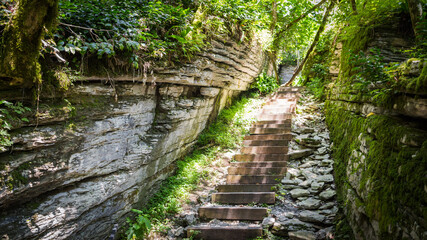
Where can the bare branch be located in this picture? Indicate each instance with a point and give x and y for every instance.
(85, 28)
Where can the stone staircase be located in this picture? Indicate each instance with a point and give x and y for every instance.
(252, 177)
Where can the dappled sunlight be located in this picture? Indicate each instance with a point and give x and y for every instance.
(213, 119)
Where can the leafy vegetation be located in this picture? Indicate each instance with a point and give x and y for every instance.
(225, 133)
(139, 228)
(9, 113)
(133, 28)
(372, 77)
(264, 84)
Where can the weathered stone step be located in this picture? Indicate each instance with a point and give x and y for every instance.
(254, 179)
(233, 213)
(260, 157)
(258, 164)
(265, 150)
(281, 116)
(246, 188)
(255, 170)
(224, 232)
(287, 136)
(265, 142)
(257, 130)
(243, 197)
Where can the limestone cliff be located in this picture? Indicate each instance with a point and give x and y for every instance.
(380, 147)
(102, 148)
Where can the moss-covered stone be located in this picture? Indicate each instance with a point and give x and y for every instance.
(21, 42)
(392, 181)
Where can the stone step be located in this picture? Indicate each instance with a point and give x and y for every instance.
(254, 179)
(258, 130)
(256, 170)
(265, 142)
(224, 232)
(264, 150)
(246, 188)
(286, 136)
(243, 197)
(233, 213)
(260, 157)
(281, 116)
(258, 164)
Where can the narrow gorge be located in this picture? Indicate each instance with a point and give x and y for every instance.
(213, 119)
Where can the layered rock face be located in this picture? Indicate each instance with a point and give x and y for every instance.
(380, 150)
(102, 149)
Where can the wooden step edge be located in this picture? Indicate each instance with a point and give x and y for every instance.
(232, 213)
(224, 232)
(246, 188)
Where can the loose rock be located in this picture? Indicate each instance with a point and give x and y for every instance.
(310, 204)
(310, 216)
(297, 154)
(325, 178)
(302, 235)
(328, 194)
(296, 193)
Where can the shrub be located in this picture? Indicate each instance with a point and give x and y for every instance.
(265, 84)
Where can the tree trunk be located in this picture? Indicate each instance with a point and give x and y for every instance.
(273, 53)
(416, 12)
(273, 59)
(316, 39)
(21, 42)
(354, 6)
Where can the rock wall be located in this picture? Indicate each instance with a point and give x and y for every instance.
(380, 150)
(102, 148)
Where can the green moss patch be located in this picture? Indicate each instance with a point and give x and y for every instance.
(393, 176)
